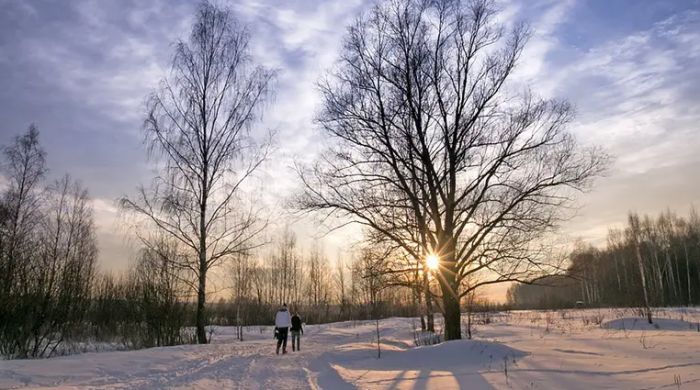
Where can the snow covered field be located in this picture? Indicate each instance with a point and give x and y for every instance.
(572, 349)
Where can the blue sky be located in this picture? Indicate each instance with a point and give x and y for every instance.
(81, 69)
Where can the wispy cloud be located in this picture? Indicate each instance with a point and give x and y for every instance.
(82, 69)
(637, 95)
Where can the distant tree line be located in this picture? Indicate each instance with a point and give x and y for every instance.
(321, 291)
(649, 262)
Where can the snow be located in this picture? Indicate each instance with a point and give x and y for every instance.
(636, 323)
(572, 349)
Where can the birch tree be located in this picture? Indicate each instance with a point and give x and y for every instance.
(199, 124)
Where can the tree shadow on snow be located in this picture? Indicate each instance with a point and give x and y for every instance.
(454, 364)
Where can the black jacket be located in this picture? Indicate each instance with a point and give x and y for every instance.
(296, 324)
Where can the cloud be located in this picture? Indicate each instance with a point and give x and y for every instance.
(544, 19)
(301, 40)
(82, 69)
(117, 249)
(637, 96)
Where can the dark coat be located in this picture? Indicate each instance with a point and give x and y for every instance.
(296, 324)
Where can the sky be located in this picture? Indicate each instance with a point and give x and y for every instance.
(81, 69)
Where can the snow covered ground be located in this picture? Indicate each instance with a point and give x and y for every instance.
(572, 349)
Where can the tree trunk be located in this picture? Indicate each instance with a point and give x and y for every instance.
(429, 315)
(617, 274)
(644, 283)
(671, 276)
(687, 273)
(450, 299)
(202, 288)
(452, 316)
(659, 278)
(201, 300)
(418, 302)
(470, 307)
(428, 300)
(679, 287)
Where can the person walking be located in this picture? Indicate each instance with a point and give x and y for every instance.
(297, 331)
(282, 324)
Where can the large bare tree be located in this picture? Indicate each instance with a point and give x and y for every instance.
(424, 124)
(199, 123)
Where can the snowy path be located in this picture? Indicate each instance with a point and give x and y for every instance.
(226, 363)
(531, 350)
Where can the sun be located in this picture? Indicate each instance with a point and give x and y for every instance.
(432, 261)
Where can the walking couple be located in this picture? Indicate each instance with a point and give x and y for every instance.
(283, 323)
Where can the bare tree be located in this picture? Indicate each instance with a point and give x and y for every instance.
(158, 294)
(684, 230)
(64, 272)
(340, 283)
(199, 123)
(284, 278)
(317, 268)
(425, 124)
(241, 271)
(51, 285)
(24, 168)
(47, 254)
